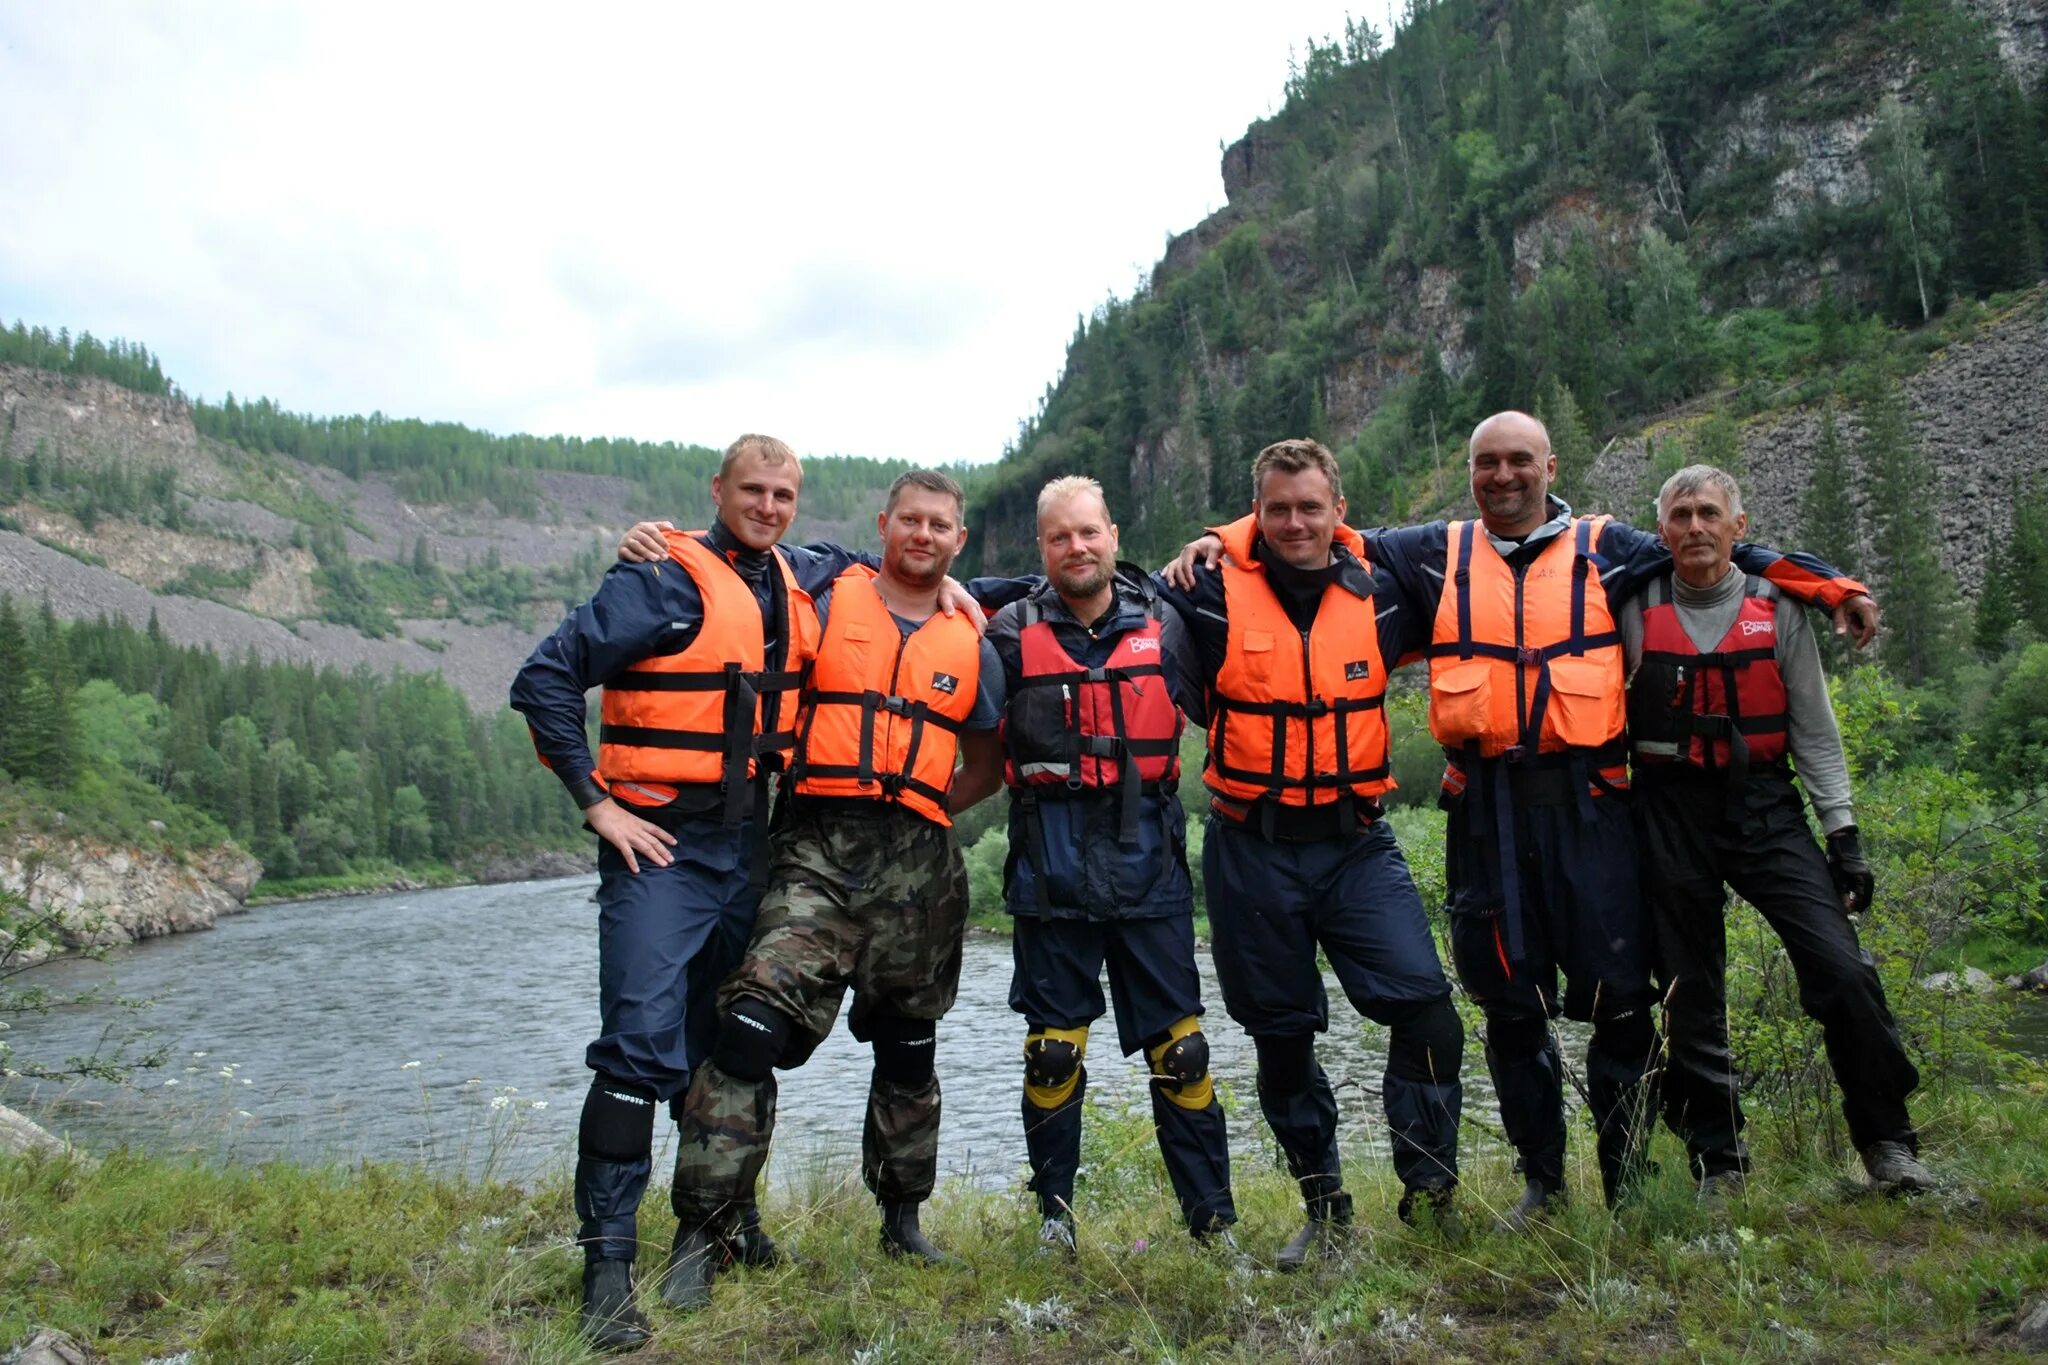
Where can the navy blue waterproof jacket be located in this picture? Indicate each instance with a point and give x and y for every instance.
(1088, 873)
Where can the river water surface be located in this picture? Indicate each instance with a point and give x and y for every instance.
(449, 1026)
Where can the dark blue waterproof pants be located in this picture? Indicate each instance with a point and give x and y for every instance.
(1582, 917)
(1271, 906)
(1057, 983)
(666, 937)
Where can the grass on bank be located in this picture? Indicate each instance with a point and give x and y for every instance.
(143, 1256)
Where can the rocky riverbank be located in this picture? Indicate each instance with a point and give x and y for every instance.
(98, 895)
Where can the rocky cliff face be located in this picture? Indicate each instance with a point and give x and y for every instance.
(103, 895)
(1978, 410)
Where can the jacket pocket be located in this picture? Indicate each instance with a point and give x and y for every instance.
(1461, 701)
(1585, 702)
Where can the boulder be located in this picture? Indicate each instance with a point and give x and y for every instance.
(48, 1346)
(2032, 1327)
(2036, 980)
(20, 1133)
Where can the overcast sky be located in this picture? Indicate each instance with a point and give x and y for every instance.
(867, 229)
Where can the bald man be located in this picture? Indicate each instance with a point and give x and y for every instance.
(1515, 613)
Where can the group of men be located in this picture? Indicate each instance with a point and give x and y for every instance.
(727, 945)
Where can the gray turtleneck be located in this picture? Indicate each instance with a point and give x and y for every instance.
(1706, 615)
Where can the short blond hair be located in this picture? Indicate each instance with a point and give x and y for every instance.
(1066, 486)
(765, 448)
(1292, 457)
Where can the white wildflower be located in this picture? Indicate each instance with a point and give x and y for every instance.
(410, 1066)
(499, 1102)
(172, 1081)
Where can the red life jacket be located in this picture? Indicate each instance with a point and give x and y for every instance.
(1720, 710)
(1069, 729)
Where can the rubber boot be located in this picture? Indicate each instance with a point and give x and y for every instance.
(1539, 1196)
(1056, 1234)
(698, 1255)
(901, 1237)
(609, 1320)
(1895, 1168)
(1328, 1215)
(748, 1244)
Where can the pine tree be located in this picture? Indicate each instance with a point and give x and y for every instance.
(1919, 595)
(1570, 442)
(14, 657)
(1827, 510)
(2027, 557)
(1499, 369)
(1997, 612)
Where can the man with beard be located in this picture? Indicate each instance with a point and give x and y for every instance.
(699, 656)
(1726, 698)
(867, 891)
(1515, 613)
(1096, 673)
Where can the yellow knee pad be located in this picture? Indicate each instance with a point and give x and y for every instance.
(1052, 1065)
(1180, 1066)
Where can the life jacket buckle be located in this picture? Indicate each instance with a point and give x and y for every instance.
(1528, 654)
(1514, 753)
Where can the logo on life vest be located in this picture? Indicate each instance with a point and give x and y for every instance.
(1759, 627)
(1144, 644)
(945, 682)
(1358, 671)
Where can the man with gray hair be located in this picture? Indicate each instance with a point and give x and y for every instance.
(1726, 697)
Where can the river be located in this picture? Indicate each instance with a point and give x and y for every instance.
(449, 1026)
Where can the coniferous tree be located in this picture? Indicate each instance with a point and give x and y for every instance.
(1997, 612)
(14, 668)
(1918, 593)
(1570, 442)
(1498, 367)
(1828, 524)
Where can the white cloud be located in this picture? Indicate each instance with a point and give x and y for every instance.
(866, 229)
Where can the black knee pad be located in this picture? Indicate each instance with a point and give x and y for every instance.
(1186, 1059)
(1050, 1062)
(618, 1121)
(1287, 1064)
(1427, 1043)
(752, 1038)
(906, 1050)
(1629, 1033)
(1516, 1037)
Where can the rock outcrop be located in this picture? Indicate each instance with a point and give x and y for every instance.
(101, 896)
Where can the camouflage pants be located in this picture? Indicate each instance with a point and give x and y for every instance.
(861, 895)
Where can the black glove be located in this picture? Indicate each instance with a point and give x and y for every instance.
(1850, 871)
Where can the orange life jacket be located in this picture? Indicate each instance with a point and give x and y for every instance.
(1720, 710)
(696, 716)
(1525, 664)
(883, 711)
(1296, 716)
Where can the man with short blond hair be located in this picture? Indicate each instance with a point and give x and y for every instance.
(1726, 701)
(699, 653)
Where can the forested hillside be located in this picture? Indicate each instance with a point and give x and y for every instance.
(372, 541)
(1611, 210)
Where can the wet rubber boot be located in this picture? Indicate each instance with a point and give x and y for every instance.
(696, 1258)
(1056, 1234)
(609, 1320)
(901, 1237)
(1328, 1216)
